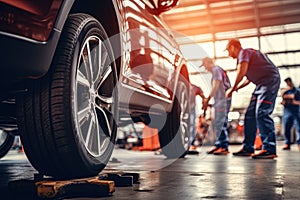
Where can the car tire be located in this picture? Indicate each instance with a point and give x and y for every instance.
(6, 142)
(67, 119)
(174, 136)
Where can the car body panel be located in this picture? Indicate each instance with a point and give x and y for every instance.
(23, 57)
(149, 58)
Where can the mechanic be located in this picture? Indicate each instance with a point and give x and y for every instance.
(258, 69)
(220, 83)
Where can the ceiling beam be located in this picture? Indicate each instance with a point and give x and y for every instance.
(232, 15)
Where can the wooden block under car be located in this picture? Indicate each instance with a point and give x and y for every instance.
(85, 187)
(50, 189)
(121, 179)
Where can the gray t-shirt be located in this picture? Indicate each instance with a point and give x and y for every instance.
(219, 74)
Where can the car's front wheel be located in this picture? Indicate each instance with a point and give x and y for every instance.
(67, 118)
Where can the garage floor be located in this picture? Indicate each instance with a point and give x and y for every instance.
(199, 176)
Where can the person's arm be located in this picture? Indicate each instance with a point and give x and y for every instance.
(283, 102)
(215, 85)
(200, 92)
(244, 84)
(295, 102)
(242, 69)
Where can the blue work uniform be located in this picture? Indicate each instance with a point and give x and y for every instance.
(291, 114)
(221, 106)
(265, 75)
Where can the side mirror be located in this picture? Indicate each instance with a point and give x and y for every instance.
(165, 5)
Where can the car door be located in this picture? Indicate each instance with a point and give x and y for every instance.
(149, 53)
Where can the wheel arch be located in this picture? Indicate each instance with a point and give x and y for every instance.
(106, 12)
(183, 73)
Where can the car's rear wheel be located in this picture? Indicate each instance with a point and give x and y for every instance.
(67, 118)
(174, 136)
(6, 142)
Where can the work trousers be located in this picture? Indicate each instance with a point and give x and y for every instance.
(221, 107)
(290, 118)
(258, 116)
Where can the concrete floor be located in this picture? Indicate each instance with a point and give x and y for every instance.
(199, 176)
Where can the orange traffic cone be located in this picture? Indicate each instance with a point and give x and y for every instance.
(258, 143)
(150, 139)
(21, 150)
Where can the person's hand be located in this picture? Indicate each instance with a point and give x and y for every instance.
(205, 104)
(283, 102)
(229, 92)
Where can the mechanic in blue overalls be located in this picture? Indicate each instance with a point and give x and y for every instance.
(291, 114)
(258, 69)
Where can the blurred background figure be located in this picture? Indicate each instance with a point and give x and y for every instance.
(291, 114)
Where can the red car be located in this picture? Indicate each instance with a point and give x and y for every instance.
(74, 70)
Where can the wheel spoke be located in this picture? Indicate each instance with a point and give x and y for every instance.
(89, 132)
(105, 118)
(90, 67)
(106, 75)
(81, 79)
(86, 62)
(184, 127)
(97, 135)
(106, 100)
(104, 64)
(95, 51)
(99, 47)
(105, 61)
(92, 133)
(185, 116)
(183, 101)
(83, 115)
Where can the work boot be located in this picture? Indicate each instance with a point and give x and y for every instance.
(213, 150)
(286, 147)
(243, 152)
(264, 154)
(221, 151)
